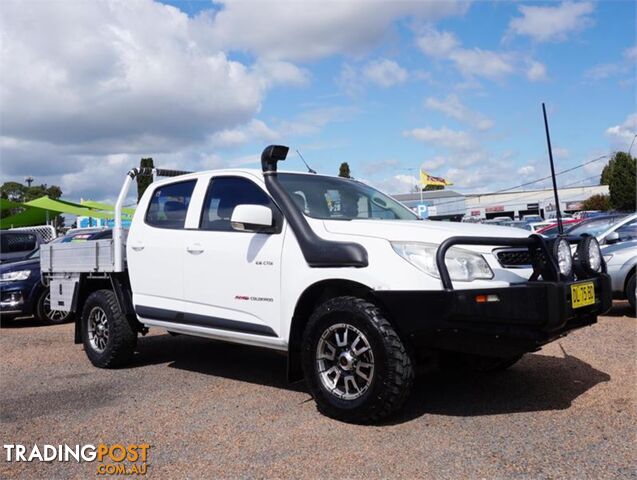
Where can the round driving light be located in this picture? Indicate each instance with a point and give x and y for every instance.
(589, 255)
(562, 252)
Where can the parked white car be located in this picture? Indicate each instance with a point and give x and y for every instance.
(351, 284)
(621, 261)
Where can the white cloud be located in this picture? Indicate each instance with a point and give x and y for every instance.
(308, 29)
(604, 71)
(384, 73)
(374, 167)
(526, 170)
(551, 23)
(437, 44)
(482, 63)
(381, 72)
(101, 80)
(536, 71)
(253, 130)
(443, 137)
(116, 73)
(276, 72)
(622, 135)
(561, 152)
(453, 107)
(434, 163)
(396, 184)
(471, 62)
(631, 53)
(311, 121)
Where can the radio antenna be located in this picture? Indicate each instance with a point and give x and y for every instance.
(560, 226)
(309, 169)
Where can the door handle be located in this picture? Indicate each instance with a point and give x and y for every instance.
(195, 248)
(138, 246)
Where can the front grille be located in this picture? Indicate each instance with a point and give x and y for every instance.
(514, 258)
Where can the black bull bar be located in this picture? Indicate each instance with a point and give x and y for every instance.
(543, 261)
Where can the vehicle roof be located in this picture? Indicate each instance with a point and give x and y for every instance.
(253, 172)
(604, 217)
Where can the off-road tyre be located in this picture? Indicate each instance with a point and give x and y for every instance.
(393, 373)
(630, 291)
(122, 339)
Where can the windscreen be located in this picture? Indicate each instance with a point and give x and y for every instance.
(331, 198)
(594, 227)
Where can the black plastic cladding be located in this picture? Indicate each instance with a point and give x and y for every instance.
(318, 252)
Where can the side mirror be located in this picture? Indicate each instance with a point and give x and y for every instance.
(252, 218)
(612, 237)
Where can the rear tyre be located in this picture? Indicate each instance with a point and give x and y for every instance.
(43, 311)
(355, 365)
(466, 362)
(630, 291)
(109, 340)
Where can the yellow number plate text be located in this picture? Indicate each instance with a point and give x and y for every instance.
(582, 294)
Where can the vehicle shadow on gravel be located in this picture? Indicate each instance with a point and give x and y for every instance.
(535, 383)
(22, 322)
(620, 309)
(236, 362)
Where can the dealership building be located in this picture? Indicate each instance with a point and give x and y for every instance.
(451, 205)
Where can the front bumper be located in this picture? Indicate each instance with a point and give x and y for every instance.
(526, 316)
(14, 298)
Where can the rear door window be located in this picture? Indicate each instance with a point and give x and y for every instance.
(169, 205)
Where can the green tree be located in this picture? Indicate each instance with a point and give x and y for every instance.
(144, 180)
(20, 193)
(430, 188)
(605, 177)
(13, 191)
(343, 170)
(597, 202)
(621, 181)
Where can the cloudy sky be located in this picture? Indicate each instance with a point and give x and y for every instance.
(89, 87)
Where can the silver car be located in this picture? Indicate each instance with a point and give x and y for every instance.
(621, 259)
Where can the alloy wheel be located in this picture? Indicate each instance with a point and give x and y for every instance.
(98, 329)
(345, 361)
(55, 316)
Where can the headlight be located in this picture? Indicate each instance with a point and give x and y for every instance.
(462, 264)
(14, 276)
(589, 255)
(562, 252)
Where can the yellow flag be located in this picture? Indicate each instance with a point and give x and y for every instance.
(426, 179)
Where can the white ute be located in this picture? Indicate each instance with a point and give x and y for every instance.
(352, 285)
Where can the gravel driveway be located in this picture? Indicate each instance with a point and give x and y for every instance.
(223, 411)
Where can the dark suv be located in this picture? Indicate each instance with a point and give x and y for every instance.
(21, 290)
(17, 245)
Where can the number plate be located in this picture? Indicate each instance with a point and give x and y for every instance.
(582, 294)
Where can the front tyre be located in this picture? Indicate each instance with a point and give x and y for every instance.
(355, 365)
(109, 340)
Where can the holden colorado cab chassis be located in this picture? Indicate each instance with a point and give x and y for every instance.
(352, 285)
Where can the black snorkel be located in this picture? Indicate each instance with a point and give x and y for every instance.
(318, 252)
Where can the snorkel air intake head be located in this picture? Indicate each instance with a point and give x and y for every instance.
(271, 155)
